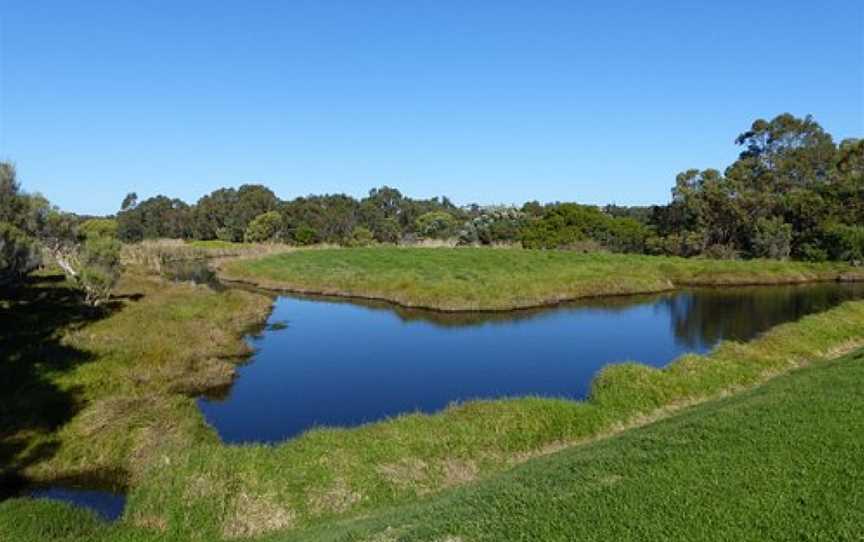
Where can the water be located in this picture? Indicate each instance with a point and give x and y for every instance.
(329, 362)
(106, 504)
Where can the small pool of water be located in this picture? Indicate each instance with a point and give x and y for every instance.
(107, 505)
(330, 362)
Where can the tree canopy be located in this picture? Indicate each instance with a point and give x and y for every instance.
(791, 193)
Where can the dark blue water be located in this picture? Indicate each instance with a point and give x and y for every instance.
(107, 505)
(326, 362)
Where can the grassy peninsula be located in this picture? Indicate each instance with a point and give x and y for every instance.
(454, 279)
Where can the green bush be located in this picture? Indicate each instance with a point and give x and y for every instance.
(98, 227)
(772, 239)
(845, 242)
(721, 251)
(684, 244)
(264, 227)
(19, 253)
(570, 225)
(813, 253)
(360, 237)
(98, 268)
(436, 225)
(493, 225)
(304, 236)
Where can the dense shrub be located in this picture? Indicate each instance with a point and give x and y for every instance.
(360, 237)
(493, 225)
(98, 268)
(264, 227)
(845, 242)
(99, 227)
(19, 254)
(436, 225)
(772, 238)
(569, 225)
(684, 244)
(304, 236)
(721, 251)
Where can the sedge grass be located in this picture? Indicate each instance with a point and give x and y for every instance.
(470, 278)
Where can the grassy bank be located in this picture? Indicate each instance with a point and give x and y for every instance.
(781, 462)
(205, 490)
(93, 391)
(500, 279)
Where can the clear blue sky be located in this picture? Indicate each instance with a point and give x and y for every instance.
(487, 101)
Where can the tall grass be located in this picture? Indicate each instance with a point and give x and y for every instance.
(500, 279)
(154, 255)
(121, 376)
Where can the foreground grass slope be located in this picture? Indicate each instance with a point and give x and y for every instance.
(780, 462)
(498, 279)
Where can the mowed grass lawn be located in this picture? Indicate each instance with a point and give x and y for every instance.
(498, 279)
(784, 461)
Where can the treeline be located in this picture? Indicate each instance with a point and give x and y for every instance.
(32, 231)
(792, 192)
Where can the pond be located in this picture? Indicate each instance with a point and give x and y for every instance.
(108, 505)
(332, 362)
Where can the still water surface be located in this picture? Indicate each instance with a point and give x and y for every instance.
(330, 362)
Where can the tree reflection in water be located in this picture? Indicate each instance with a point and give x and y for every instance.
(704, 317)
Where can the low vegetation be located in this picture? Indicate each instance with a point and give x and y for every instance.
(500, 279)
(91, 391)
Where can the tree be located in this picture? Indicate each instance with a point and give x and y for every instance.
(493, 224)
(361, 237)
(265, 227)
(845, 242)
(20, 218)
(436, 225)
(129, 202)
(19, 254)
(772, 239)
(304, 236)
(154, 218)
(783, 153)
(98, 268)
(99, 227)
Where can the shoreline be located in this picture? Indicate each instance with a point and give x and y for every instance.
(274, 287)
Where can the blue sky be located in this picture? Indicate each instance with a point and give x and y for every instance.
(485, 101)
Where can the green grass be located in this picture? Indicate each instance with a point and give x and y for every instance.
(780, 462)
(88, 391)
(500, 279)
(215, 243)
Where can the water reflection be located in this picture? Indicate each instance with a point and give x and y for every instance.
(106, 504)
(341, 363)
(707, 316)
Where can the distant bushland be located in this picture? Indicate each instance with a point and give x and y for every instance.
(792, 193)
